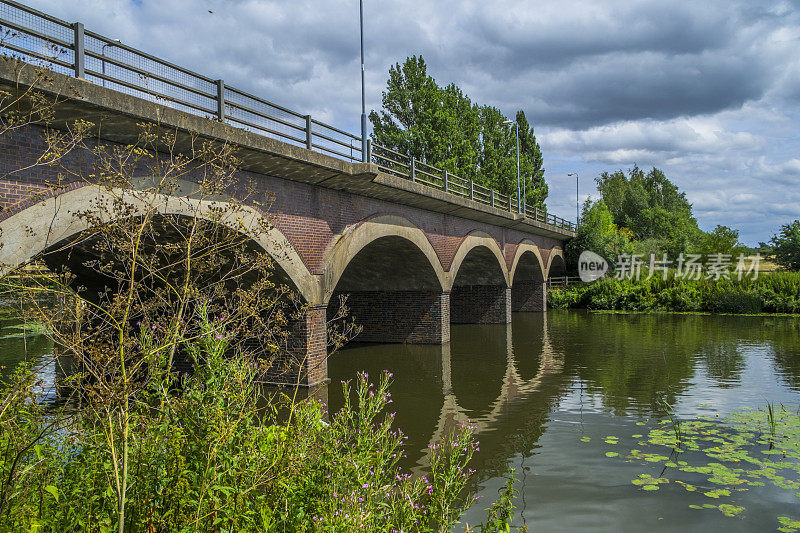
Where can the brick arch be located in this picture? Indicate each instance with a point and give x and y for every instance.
(526, 246)
(32, 229)
(555, 253)
(473, 241)
(362, 234)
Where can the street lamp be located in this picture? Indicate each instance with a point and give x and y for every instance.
(103, 53)
(516, 128)
(577, 201)
(363, 90)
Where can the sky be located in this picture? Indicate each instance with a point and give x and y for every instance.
(709, 92)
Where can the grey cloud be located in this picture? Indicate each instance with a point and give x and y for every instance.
(707, 91)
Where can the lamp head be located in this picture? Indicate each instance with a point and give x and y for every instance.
(508, 122)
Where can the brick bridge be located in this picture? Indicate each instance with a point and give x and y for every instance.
(412, 258)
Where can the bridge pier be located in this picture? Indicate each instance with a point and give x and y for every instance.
(480, 304)
(307, 350)
(529, 296)
(402, 316)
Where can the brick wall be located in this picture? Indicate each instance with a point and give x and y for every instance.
(480, 304)
(306, 352)
(413, 317)
(311, 217)
(529, 296)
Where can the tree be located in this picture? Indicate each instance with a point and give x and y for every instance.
(443, 127)
(657, 214)
(786, 245)
(497, 159)
(459, 128)
(599, 234)
(531, 162)
(410, 102)
(722, 240)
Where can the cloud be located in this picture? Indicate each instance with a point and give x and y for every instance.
(707, 91)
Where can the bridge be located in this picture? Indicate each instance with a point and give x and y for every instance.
(413, 247)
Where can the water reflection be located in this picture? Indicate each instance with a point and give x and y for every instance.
(478, 379)
(534, 387)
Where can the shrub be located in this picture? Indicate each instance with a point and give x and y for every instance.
(736, 301)
(775, 293)
(209, 459)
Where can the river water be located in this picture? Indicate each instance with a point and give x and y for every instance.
(534, 388)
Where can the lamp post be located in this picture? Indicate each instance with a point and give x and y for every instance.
(516, 129)
(363, 90)
(577, 201)
(103, 53)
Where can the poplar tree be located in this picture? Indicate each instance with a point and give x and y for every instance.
(443, 127)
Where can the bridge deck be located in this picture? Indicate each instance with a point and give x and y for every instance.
(117, 114)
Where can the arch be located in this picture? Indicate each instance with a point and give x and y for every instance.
(472, 242)
(358, 237)
(556, 259)
(526, 247)
(53, 220)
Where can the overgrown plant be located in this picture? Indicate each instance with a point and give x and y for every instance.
(211, 459)
(171, 237)
(501, 513)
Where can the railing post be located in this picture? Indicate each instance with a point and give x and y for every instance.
(510, 205)
(492, 197)
(471, 190)
(221, 100)
(80, 55)
(413, 169)
(445, 181)
(309, 138)
(369, 151)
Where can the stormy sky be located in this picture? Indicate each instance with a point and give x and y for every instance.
(709, 92)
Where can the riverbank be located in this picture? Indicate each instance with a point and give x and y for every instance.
(777, 292)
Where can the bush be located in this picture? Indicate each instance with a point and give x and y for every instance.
(209, 459)
(777, 292)
(736, 301)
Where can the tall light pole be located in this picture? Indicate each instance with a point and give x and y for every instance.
(363, 90)
(519, 195)
(577, 201)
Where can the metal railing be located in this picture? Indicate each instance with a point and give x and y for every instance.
(400, 165)
(564, 281)
(69, 48)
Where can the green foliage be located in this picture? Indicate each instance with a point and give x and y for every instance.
(598, 233)
(441, 126)
(736, 301)
(786, 246)
(652, 208)
(501, 513)
(777, 292)
(722, 240)
(210, 459)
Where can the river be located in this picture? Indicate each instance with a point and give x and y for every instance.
(538, 386)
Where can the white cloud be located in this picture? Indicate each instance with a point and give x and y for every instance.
(707, 91)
